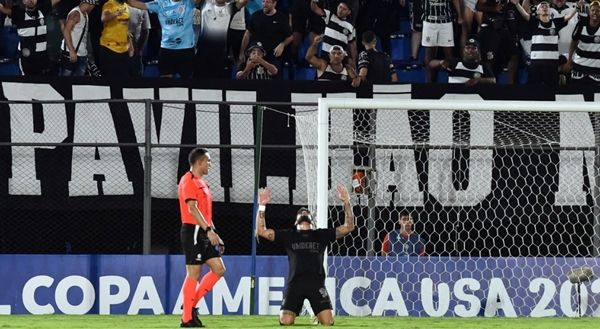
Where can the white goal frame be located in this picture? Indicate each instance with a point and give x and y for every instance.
(325, 104)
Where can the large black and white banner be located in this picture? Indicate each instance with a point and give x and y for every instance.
(67, 195)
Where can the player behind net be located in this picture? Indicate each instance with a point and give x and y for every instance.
(305, 248)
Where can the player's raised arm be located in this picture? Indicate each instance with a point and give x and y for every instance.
(348, 225)
(264, 197)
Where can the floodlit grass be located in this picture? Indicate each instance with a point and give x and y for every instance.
(248, 322)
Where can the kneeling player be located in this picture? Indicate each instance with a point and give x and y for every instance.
(305, 248)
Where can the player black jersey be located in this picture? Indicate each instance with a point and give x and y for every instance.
(305, 251)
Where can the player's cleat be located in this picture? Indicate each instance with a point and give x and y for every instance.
(190, 324)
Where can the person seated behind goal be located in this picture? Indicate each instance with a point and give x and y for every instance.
(470, 70)
(306, 249)
(403, 241)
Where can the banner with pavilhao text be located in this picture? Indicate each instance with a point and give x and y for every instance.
(70, 183)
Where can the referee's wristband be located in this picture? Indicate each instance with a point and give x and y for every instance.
(208, 229)
(262, 207)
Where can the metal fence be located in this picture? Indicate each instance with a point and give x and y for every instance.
(101, 176)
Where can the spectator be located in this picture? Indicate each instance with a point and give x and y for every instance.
(177, 43)
(338, 30)
(31, 28)
(75, 35)
(498, 36)
(438, 30)
(139, 28)
(256, 68)
(115, 41)
(63, 9)
(415, 7)
(304, 21)
(212, 43)
(379, 16)
(404, 241)
(469, 13)
(469, 71)
(237, 28)
(197, 23)
(561, 8)
(544, 43)
(333, 68)
(272, 29)
(373, 65)
(585, 48)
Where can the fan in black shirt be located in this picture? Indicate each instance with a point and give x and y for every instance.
(305, 248)
(373, 65)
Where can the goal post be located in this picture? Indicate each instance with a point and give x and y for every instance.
(490, 185)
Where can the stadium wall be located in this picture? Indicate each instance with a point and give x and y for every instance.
(136, 284)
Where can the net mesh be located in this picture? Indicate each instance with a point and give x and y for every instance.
(507, 199)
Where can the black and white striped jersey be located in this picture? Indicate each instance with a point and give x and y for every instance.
(461, 73)
(259, 72)
(587, 55)
(544, 40)
(331, 75)
(31, 28)
(337, 32)
(437, 11)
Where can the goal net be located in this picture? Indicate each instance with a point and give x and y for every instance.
(462, 208)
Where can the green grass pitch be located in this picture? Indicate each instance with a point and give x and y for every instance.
(248, 322)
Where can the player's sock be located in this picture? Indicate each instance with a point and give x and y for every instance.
(189, 292)
(206, 284)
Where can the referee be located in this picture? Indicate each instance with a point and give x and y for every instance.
(305, 248)
(201, 244)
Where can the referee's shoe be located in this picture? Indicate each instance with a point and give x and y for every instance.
(194, 322)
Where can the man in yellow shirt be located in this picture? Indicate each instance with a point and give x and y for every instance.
(115, 41)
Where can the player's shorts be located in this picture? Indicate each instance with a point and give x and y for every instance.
(196, 246)
(176, 61)
(437, 35)
(416, 15)
(313, 290)
(470, 4)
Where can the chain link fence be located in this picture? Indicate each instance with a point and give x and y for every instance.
(101, 176)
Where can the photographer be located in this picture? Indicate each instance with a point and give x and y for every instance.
(498, 36)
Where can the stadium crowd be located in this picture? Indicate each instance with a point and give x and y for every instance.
(551, 42)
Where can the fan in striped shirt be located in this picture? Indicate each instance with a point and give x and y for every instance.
(30, 20)
(469, 71)
(544, 43)
(332, 68)
(339, 31)
(256, 67)
(584, 53)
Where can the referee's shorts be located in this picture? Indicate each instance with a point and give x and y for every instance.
(196, 246)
